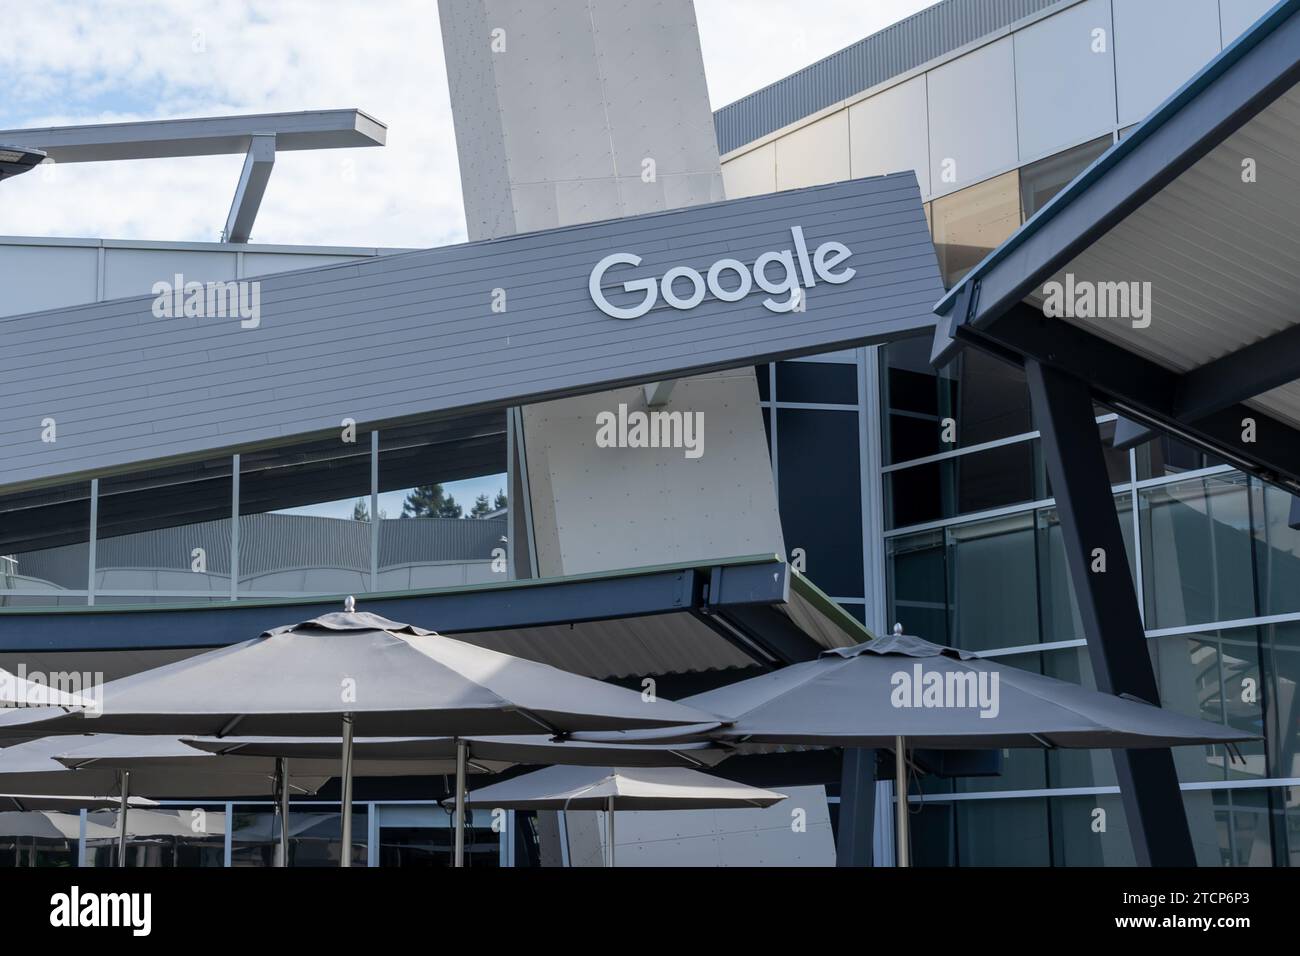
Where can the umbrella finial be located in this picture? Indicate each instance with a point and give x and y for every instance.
(349, 605)
(898, 629)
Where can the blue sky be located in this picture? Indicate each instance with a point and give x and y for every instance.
(95, 61)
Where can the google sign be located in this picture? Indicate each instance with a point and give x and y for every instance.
(821, 263)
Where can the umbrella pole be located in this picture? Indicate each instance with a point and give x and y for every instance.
(460, 803)
(345, 855)
(900, 801)
(282, 778)
(609, 829)
(121, 818)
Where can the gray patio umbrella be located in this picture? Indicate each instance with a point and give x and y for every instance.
(483, 754)
(890, 690)
(372, 676)
(159, 766)
(620, 788)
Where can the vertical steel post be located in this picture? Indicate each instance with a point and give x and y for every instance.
(1108, 605)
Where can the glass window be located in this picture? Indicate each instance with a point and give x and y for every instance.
(915, 398)
(821, 495)
(993, 583)
(1166, 456)
(1068, 767)
(20, 847)
(1091, 830)
(1214, 677)
(315, 836)
(1230, 827)
(1276, 531)
(304, 519)
(443, 518)
(45, 546)
(971, 223)
(986, 400)
(164, 535)
(830, 383)
(1282, 716)
(1042, 180)
(965, 484)
(1196, 552)
(162, 837)
(1060, 607)
(918, 584)
(1010, 832)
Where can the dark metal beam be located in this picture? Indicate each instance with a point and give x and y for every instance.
(1094, 547)
(1140, 389)
(854, 841)
(1243, 374)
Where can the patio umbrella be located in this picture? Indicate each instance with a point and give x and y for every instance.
(890, 690)
(619, 788)
(267, 769)
(159, 766)
(372, 676)
(483, 754)
(22, 802)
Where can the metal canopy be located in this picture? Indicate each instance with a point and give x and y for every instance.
(1203, 202)
(202, 136)
(733, 613)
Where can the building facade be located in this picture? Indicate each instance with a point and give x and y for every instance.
(906, 493)
(943, 519)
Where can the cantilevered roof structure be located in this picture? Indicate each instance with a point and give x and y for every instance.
(742, 612)
(1201, 201)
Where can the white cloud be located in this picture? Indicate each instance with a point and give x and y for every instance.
(92, 61)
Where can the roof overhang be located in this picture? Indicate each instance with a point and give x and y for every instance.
(1202, 201)
(734, 613)
(201, 136)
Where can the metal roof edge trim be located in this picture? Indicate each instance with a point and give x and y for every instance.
(823, 602)
(308, 599)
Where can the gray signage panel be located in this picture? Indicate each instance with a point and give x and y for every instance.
(194, 369)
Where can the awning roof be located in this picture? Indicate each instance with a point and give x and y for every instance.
(1171, 205)
(733, 613)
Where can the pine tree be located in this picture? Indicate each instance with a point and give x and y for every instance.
(482, 505)
(501, 501)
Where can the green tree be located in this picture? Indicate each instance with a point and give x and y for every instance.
(430, 501)
(482, 505)
(501, 501)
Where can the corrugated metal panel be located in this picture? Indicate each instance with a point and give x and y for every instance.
(632, 647)
(1221, 254)
(413, 334)
(930, 34)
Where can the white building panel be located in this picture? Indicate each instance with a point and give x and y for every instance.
(34, 278)
(1065, 80)
(752, 173)
(814, 154)
(889, 132)
(134, 271)
(1159, 45)
(972, 117)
